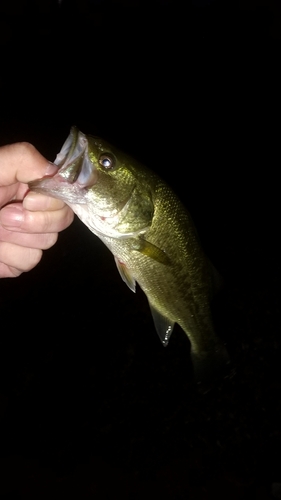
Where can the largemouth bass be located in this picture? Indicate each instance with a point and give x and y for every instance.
(148, 230)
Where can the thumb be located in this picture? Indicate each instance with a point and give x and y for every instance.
(21, 162)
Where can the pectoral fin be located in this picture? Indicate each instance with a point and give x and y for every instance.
(163, 325)
(146, 248)
(126, 275)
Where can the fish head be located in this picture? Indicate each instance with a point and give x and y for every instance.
(103, 186)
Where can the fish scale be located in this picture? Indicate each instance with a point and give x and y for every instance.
(150, 233)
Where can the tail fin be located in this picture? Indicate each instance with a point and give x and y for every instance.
(208, 366)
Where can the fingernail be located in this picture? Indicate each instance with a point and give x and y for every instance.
(11, 217)
(51, 168)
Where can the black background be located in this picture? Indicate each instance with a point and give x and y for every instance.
(91, 405)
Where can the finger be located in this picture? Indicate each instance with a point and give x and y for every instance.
(16, 191)
(9, 271)
(36, 201)
(21, 162)
(7, 193)
(29, 240)
(15, 218)
(21, 258)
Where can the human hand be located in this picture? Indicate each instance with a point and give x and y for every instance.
(29, 222)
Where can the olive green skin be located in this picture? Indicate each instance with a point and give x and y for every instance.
(150, 233)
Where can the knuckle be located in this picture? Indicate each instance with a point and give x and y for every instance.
(26, 148)
(46, 221)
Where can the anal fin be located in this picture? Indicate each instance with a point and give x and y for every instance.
(163, 325)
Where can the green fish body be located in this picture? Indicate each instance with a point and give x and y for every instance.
(148, 230)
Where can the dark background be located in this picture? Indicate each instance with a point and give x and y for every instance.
(91, 405)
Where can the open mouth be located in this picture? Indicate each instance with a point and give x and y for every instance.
(76, 171)
(74, 162)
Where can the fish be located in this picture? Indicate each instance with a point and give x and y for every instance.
(150, 233)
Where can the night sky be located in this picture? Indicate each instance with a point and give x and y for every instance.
(91, 404)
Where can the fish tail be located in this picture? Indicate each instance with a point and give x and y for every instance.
(208, 365)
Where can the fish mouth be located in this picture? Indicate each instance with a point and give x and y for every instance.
(76, 171)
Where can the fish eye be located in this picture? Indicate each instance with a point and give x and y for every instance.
(107, 161)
